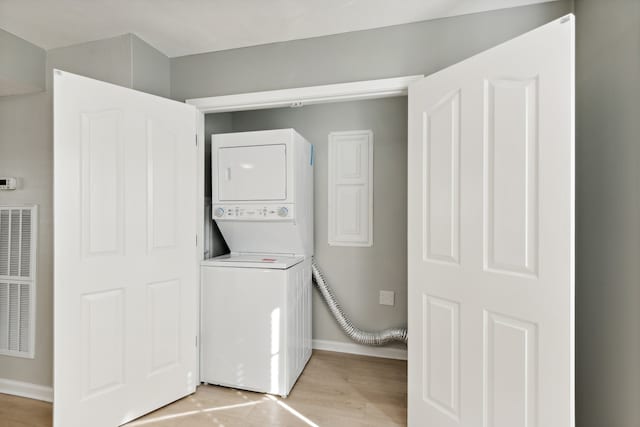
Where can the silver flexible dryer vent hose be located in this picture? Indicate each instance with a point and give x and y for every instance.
(357, 335)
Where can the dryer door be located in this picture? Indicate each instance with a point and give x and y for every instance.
(251, 173)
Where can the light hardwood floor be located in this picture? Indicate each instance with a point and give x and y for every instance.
(335, 390)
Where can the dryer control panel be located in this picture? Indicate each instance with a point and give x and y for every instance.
(253, 212)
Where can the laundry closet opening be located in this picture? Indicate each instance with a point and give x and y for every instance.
(356, 274)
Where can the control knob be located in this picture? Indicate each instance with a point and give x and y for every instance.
(283, 211)
(219, 212)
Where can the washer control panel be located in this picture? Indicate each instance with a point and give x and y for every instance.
(253, 212)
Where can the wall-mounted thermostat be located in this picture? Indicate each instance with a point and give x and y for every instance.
(8, 183)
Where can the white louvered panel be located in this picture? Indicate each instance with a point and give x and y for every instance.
(17, 279)
(25, 244)
(17, 242)
(4, 315)
(24, 324)
(4, 242)
(15, 226)
(14, 317)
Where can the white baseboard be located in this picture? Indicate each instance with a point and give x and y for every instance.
(365, 350)
(22, 389)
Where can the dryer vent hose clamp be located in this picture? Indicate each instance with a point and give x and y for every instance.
(361, 337)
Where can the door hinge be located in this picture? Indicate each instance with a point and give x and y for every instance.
(196, 139)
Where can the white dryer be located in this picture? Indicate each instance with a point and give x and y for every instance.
(256, 301)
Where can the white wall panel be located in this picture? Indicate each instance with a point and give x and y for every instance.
(441, 355)
(102, 342)
(510, 372)
(441, 151)
(102, 170)
(162, 192)
(351, 188)
(163, 316)
(511, 175)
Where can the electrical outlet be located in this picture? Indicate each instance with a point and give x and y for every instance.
(387, 297)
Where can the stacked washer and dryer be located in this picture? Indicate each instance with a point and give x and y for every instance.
(256, 301)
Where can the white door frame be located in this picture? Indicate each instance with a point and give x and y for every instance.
(307, 95)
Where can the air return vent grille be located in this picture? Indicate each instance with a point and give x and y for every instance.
(17, 279)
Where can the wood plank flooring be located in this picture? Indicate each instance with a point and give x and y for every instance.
(336, 389)
(21, 412)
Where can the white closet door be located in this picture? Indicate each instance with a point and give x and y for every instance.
(125, 252)
(491, 237)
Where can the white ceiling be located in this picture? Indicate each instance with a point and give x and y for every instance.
(183, 27)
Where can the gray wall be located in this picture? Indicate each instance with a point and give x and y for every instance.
(125, 60)
(108, 60)
(21, 66)
(608, 213)
(26, 151)
(150, 68)
(356, 274)
(419, 48)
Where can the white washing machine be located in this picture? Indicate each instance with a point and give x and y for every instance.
(256, 301)
(256, 324)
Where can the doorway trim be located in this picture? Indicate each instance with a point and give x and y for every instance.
(308, 95)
